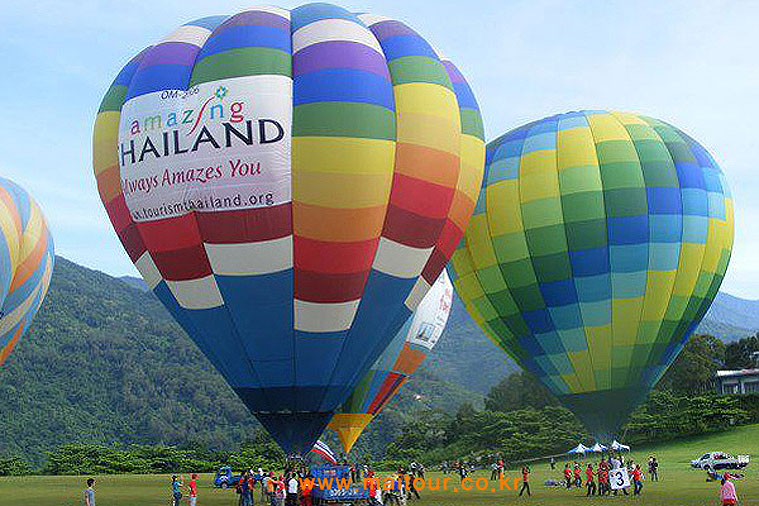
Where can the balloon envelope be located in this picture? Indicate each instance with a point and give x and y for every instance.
(290, 184)
(397, 363)
(26, 263)
(599, 241)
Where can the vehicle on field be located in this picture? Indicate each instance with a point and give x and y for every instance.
(719, 460)
(332, 485)
(225, 478)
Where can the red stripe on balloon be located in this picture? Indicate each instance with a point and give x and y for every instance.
(392, 383)
(334, 257)
(171, 233)
(132, 241)
(329, 288)
(409, 228)
(449, 239)
(182, 264)
(246, 226)
(421, 197)
(434, 266)
(118, 213)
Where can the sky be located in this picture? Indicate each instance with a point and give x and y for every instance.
(692, 64)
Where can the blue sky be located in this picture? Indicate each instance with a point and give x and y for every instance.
(692, 64)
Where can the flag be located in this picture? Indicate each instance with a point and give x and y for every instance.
(322, 449)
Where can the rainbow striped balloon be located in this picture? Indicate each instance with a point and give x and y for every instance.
(599, 241)
(290, 184)
(397, 363)
(26, 263)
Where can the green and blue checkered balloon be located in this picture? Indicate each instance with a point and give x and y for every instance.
(598, 243)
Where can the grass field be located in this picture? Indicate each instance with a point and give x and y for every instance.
(679, 486)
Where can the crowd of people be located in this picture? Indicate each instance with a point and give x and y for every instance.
(596, 478)
(295, 486)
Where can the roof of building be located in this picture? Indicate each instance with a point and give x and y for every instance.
(738, 373)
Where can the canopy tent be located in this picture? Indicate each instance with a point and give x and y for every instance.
(598, 448)
(580, 449)
(619, 447)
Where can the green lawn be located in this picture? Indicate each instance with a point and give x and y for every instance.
(679, 486)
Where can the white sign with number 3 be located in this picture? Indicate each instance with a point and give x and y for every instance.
(618, 478)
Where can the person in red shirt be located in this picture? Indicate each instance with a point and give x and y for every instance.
(589, 481)
(568, 475)
(578, 479)
(525, 481)
(637, 480)
(603, 482)
(193, 486)
(305, 490)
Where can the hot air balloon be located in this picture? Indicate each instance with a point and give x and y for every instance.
(400, 359)
(598, 243)
(26, 263)
(290, 184)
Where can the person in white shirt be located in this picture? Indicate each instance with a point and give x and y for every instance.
(292, 491)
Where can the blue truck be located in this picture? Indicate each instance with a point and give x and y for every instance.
(225, 478)
(339, 491)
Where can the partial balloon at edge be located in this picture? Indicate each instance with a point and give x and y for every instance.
(400, 360)
(27, 258)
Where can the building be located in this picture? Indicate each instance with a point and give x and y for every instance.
(744, 381)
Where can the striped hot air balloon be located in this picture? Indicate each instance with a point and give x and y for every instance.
(290, 184)
(599, 241)
(400, 360)
(26, 263)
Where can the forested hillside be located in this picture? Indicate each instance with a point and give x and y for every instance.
(104, 363)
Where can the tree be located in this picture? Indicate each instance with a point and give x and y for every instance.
(694, 369)
(738, 353)
(519, 390)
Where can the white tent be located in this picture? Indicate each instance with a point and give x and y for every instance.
(580, 449)
(619, 447)
(598, 448)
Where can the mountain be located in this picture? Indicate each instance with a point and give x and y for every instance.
(105, 363)
(135, 282)
(465, 356)
(731, 318)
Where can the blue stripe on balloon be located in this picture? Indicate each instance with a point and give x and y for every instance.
(210, 23)
(566, 317)
(589, 262)
(665, 227)
(464, 96)
(627, 229)
(246, 36)
(663, 200)
(664, 256)
(159, 78)
(310, 13)
(380, 316)
(628, 285)
(262, 309)
(628, 258)
(558, 293)
(598, 313)
(343, 85)
(593, 288)
(401, 46)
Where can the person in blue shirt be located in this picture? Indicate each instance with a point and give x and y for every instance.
(89, 493)
(176, 494)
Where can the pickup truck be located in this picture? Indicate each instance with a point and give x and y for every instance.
(225, 478)
(719, 460)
